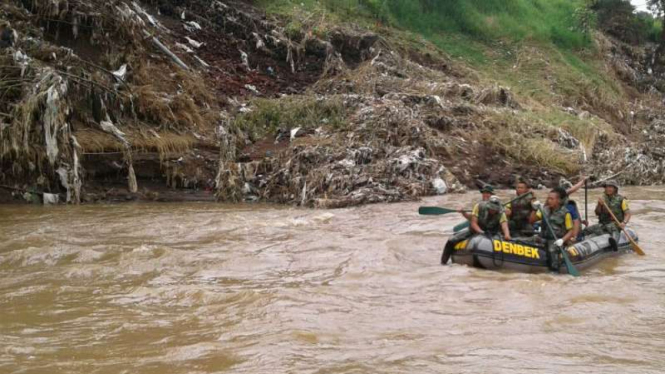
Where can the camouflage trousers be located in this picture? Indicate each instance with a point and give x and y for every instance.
(520, 228)
(601, 229)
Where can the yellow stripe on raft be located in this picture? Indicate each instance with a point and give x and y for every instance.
(461, 245)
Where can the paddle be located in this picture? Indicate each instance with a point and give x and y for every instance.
(569, 265)
(586, 202)
(435, 211)
(636, 247)
(461, 226)
(466, 224)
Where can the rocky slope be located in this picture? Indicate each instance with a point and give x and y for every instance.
(175, 100)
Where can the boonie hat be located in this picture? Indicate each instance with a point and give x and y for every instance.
(487, 188)
(612, 183)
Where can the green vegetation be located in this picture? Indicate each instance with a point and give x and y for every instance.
(484, 20)
(618, 18)
(543, 50)
(307, 112)
(489, 20)
(538, 48)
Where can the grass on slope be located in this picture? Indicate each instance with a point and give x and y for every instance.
(439, 20)
(533, 47)
(487, 20)
(516, 20)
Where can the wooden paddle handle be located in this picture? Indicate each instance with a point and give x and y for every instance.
(636, 247)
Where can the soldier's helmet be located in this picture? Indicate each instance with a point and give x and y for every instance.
(612, 183)
(494, 203)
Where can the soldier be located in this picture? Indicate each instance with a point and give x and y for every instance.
(489, 217)
(564, 190)
(617, 204)
(519, 212)
(558, 218)
(487, 191)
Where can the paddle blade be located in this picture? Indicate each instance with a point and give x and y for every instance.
(434, 211)
(569, 265)
(637, 248)
(461, 226)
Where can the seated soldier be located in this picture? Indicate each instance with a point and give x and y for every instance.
(519, 212)
(489, 217)
(617, 205)
(487, 191)
(571, 205)
(557, 226)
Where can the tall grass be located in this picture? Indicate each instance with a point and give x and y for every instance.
(488, 20)
(516, 20)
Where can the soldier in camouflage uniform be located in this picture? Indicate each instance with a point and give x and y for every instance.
(617, 204)
(489, 217)
(559, 219)
(487, 192)
(519, 212)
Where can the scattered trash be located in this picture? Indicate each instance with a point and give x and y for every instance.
(245, 60)
(294, 132)
(51, 199)
(340, 120)
(252, 88)
(184, 47)
(110, 128)
(193, 42)
(120, 73)
(194, 25)
(439, 186)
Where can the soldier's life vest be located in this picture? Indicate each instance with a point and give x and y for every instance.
(557, 221)
(615, 202)
(488, 222)
(521, 211)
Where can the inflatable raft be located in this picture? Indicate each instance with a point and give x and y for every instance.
(525, 255)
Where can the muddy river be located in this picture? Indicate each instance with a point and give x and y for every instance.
(210, 288)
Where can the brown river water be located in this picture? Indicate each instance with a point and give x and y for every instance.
(210, 288)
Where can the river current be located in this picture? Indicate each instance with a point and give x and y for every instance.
(212, 288)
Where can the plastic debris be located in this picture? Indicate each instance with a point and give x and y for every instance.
(110, 128)
(294, 132)
(184, 47)
(193, 42)
(121, 73)
(252, 88)
(245, 60)
(195, 25)
(439, 186)
(54, 115)
(51, 199)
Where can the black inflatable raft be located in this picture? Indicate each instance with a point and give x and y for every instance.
(525, 255)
